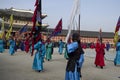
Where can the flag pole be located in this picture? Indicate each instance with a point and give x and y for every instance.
(40, 6)
(40, 13)
(39, 21)
(79, 24)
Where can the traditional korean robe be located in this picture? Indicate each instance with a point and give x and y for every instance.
(22, 46)
(107, 46)
(99, 59)
(61, 45)
(117, 57)
(27, 46)
(1, 46)
(74, 63)
(39, 55)
(92, 46)
(43, 51)
(11, 47)
(49, 51)
(65, 52)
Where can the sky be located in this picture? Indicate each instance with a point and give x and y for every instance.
(95, 14)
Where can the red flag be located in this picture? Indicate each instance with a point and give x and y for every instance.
(118, 25)
(116, 32)
(36, 29)
(57, 29)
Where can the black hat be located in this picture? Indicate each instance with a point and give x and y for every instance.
(76, 37)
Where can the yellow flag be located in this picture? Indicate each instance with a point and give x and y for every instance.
(10, 27)
(116, 32)
(2, 28)
(115, 38)
(11, 20)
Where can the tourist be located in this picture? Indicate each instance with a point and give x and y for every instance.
(75, 60)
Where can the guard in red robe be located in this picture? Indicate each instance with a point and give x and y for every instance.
(27, 46)
(99, 60)
(84, 46)
(92, 46)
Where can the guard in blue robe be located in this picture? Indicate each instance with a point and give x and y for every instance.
(11, 46)
(65, 52)
(39, 56)
(1, 46)
(107, 46)
(49, 47)
(43, 50)
(22, 45)
(75, 60)
(117, 57)
(61, 45)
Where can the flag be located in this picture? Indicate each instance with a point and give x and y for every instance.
(37, 23)
(23, 29)
(100, 35)
(57, 29)
(75, 11)
(8, 34)
(2, 28)
(11, 20)
(116, 32)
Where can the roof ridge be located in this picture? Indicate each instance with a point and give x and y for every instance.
(22, 10)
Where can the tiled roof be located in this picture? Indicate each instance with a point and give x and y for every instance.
(96, 34)
(86, 33)
(18, 13)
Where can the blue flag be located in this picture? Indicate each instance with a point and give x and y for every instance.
(23, 29)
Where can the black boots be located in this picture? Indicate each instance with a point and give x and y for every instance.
(101, 67)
